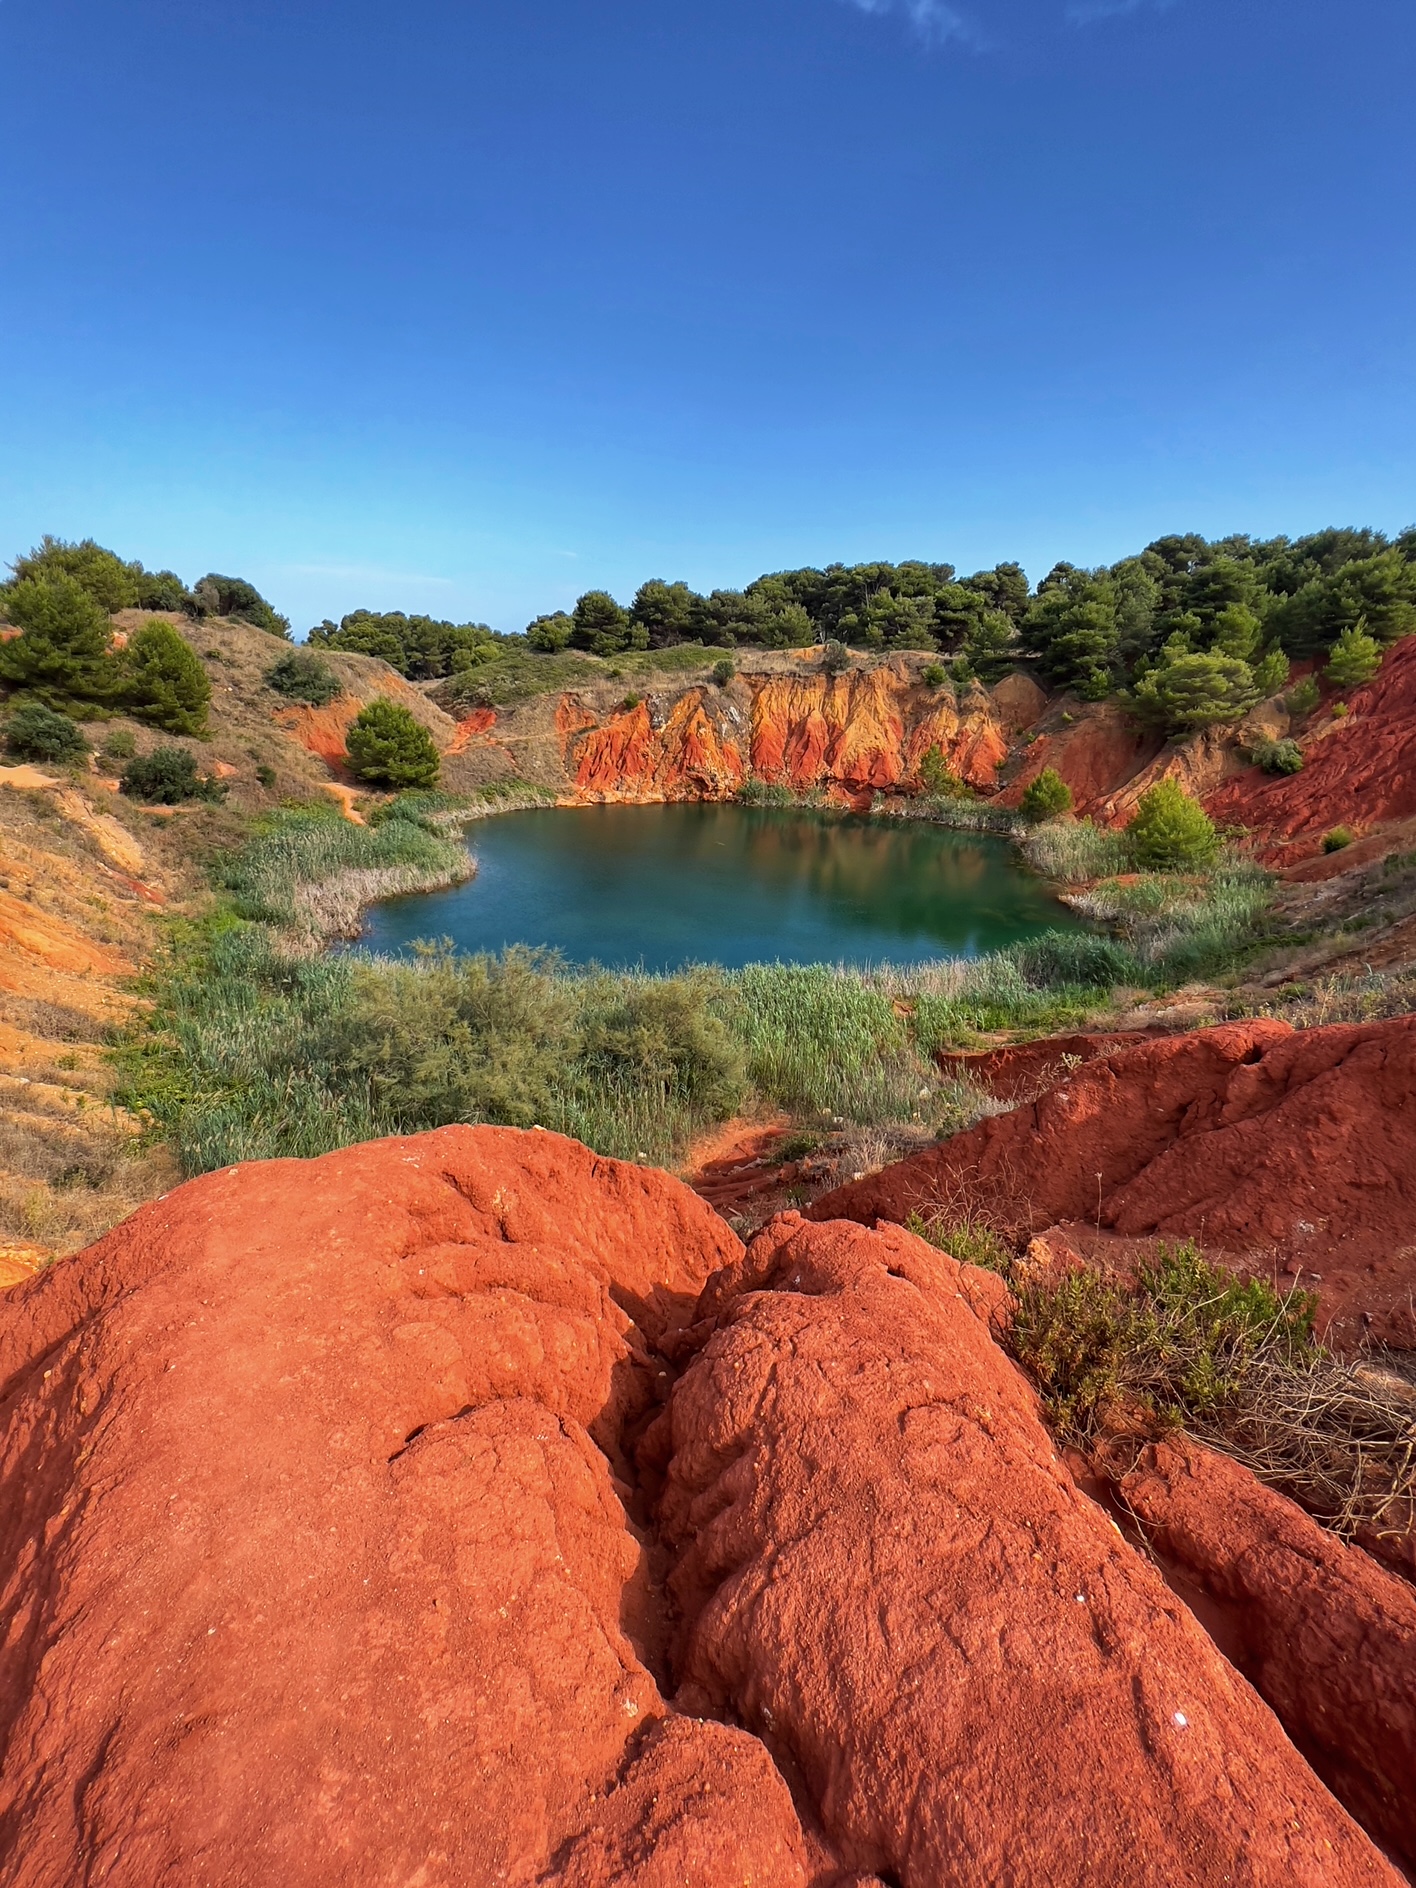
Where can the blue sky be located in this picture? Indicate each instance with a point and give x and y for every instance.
(469, 307)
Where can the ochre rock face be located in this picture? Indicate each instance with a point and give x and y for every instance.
(1324, 1635)
(884, 1571)
(869, 730)
(1253, 1138)
(1362, 771)
(689, 756)
(337, 1503)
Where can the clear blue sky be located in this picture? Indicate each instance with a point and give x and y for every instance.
(469, 307)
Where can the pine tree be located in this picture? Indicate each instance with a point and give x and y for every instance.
(1171, 832)
(164, 681)
(389, 747)
(1355, 657)
(63, 654)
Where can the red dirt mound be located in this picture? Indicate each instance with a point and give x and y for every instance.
(1295, 1148)
(884, 1571)
(337, 1500)
(1322, 1633)
(1022, 1070)
(1361, 773)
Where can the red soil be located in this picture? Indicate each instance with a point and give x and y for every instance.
(338, 1500)
(1281, 1148)
(1362, 772)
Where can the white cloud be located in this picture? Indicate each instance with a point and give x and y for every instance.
(931, 19)
(1087, 12)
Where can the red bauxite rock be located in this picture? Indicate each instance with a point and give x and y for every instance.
(1257, 1139)
(884, 1571)
(1328, 1638)
(336, 1500)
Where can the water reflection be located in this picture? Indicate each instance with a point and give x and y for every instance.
(664, 885)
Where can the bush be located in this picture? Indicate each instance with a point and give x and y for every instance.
(723, 672)
(120, 745)
(1339, 837)
(1277, 757)
(63, 654)
(35, 732)
(835, 657)
(934, 675)
(630, 703)
(1355, 657)
(1047, 796)
(1170, 831)
(390, 747)
(939, 779)
(1270, 673)
(549, 635)
(1340, 711)
(241, 601)
(303, 677)
(163, 681)
(166, 777)
(1304, 697)
(159, 589)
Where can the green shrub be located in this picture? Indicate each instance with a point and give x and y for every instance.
(120, 745)
(166, 777)
(1271, 673)
(63, 655)
(835, 657)
(1355, 657)
(1047, 796)
(301, 676)
(35, 732)
(630, 703)
(1170, 831)
(1339, 837)
(1340, 711)
(938, 778)
(969, 1239)
(723, 672)
(265, 774)
(163, 682)
(1304, 696)
(389, 747)
(1277, 757)
(159, 589)
(934, 675)
(237, 599)
(1180, 1346)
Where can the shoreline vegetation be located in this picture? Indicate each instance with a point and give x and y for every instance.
(260, 1044)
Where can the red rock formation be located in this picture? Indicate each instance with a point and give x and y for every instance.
(1020, 1071)
(328, 1554)
(687, 756)
(1360, 772)
(1259, 1140)
(315, 1561)
(884, 1571)
(1096, 755)
(1324, 1635)
(868, 729)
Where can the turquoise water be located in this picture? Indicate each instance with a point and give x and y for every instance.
(661, 886)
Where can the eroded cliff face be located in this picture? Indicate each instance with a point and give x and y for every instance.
(855, 734)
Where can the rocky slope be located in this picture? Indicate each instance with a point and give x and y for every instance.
(467, 1509)
(1291, 1152)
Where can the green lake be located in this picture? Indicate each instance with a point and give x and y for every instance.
(661, 886)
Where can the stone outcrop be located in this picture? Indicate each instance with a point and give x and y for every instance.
(1284, 1148)
(467, 1509)
(1324, 1634)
